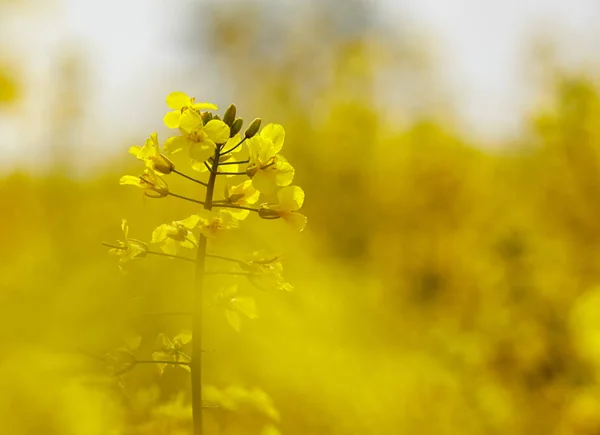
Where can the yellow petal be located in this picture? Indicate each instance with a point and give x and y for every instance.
(135, 150)
(284, 172)
(171, 119)
(204, 106)
(169, 246)
(264, 181)
(291, 198)
(234, 319)
(176, 143)
(190, 121)
(200, 152)
(276, 134)
(177, 100)
(184, 337)
(296, 220)
(130, 180)
(160, 233)
(217, 131)
(245, 305)
(190, 222)
(237, 213)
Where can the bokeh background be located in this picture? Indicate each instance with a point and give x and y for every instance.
(447, 282)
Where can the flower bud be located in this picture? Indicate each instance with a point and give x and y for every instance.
(267, 213)
(217, 117)
(229, 115)
(252, 128)
(206, 116)
(162, 164)
(236, 126)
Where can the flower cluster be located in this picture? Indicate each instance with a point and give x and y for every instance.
(217, 147)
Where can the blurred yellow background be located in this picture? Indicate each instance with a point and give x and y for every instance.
(442, 286)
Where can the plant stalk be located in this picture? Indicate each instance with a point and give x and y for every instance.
(198, 308)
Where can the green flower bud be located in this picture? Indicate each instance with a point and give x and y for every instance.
(229, 115)
(217, 117)
(206, 116)
(163, 165)
(252, 128)
(267, 213)
(236, 126)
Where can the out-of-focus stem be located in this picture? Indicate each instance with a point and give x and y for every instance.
(198, 308)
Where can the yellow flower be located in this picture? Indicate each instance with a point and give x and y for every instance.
(177, 233)
(149, 181)
(267, 168)
(243, 195)
(211, 223)
(151, 155)
(232, 142)
(172, 350)
(235, 305)
(266, 272)
(181, 103)
(290, 199)
(129, 249)
(198, 139)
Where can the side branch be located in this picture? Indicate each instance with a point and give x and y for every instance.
(230, 173)
(233, 148)
(160, 254)
(180, 363)
(186, 198)
(190, 178)
(241, 162)
(241, 207)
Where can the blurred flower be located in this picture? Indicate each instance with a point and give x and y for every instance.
(265, 272)
(290, 199)
(177, 233)
(235, 305)
(120, 361)
(151, 155)
(198, 139)
(172, 350)
(267, 169)
(149, 181)
(181, 103)
(129, 249)
(211, 223)
(244, 195)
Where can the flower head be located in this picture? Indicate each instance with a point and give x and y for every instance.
(212, 223)
(244, 194)
(290, 199)
(197, 138)
(267, 168)
(151, 155)
(175, 234)
(180, 103)
(129, 249)
(149, 181)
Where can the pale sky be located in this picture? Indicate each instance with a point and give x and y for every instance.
(480, 47)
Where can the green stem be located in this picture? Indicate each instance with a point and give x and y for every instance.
(190, 178)
(241, 162)
(186, 198)
(181, 363)
(220, 257)
(233, 148)
(236, 206)
(160, 254)
(198, 308)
